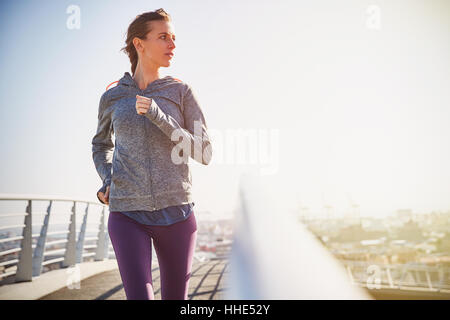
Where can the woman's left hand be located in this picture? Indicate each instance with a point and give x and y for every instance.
(142, 104)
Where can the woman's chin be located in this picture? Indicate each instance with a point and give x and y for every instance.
(167, 63)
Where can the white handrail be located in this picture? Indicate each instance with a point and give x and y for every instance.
(275, 257)
(37, 197)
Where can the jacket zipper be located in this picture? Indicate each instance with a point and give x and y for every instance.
(141, 93)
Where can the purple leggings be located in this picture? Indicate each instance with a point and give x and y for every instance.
(174, 247)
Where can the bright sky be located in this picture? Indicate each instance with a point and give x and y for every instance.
(356, 94)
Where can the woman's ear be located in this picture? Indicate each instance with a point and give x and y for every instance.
(137, 44)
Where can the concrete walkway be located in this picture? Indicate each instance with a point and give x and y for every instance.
(208, 281)
(54, 280)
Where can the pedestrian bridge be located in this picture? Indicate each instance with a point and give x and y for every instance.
(61, 250)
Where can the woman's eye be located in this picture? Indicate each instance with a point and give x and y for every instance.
(164, 38)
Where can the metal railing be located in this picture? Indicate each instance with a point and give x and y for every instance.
(273, 256)
(32, 257)
(411, 276)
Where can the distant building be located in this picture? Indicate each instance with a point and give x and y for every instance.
(404, 215)
(410, 231)
(355, 233)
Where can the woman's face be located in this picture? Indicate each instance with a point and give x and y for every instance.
(158, 45)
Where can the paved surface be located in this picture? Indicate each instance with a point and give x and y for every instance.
(207, 282)
(54, 280)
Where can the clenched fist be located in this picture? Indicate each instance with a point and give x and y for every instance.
(142, 104)
(104, 197)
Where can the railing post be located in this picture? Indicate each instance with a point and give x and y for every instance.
(389, 276)
(24, 266)
(38, 256)
(405, 273)
(100, 251)
(417, 273)
(430, 285)
(70, 255)
(81, 236)
(441, 274)
(350, 274)
(106, 250)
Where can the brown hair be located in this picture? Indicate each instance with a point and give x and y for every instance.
(139, 28)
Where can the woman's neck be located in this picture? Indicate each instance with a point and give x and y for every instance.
(144, 75)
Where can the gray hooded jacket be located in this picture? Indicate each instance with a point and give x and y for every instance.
(141, 167)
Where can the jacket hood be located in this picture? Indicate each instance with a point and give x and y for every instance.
(168, 88)
(128, 81)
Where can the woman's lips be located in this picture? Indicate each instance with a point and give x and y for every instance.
(169, 54)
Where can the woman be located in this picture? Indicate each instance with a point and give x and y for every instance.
(157, 124)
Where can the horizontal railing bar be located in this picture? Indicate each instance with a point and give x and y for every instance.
(398, 286)
(395, 281)
(7, 274)
(55, 242)
(88, 231)
(4, 253)
(403, 287)
(57, 232)
(39, 213)
(5, 263)
(13, 226)
(10, 239)
(13, 215)
(6, 196)
(392, 266)
(90, 246)
(91, 230)
(90, 238)
(21, 214)
(88, 254)
(52, 261)
(52, 252)
(396, 267)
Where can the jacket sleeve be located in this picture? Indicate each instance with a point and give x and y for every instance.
(102, 144)
(195, 130)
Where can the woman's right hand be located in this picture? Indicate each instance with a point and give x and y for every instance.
(104, 197)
